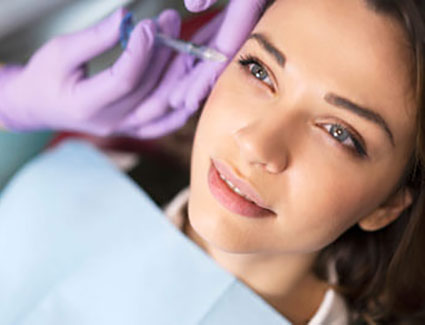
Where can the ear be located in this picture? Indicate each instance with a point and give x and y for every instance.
(389, 211)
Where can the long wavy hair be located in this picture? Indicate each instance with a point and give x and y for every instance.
(381, 274)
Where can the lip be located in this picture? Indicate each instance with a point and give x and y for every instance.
(248, 190)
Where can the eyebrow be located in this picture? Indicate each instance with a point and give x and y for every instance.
(269, 47)
(331, 98)
(361, 111)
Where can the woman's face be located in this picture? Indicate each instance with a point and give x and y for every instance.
(315, 113)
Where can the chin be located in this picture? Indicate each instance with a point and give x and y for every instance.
(216, 233)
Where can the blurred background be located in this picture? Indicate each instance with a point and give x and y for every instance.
(25, 25)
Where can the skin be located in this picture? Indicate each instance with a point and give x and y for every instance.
(275, 134)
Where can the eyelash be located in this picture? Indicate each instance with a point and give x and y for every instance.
(355, 147)
(248, 62)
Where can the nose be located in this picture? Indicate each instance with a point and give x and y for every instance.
(262, 144)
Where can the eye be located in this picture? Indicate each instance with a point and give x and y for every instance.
(256, 69)
(346, 138)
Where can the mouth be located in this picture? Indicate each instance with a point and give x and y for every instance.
(234, 193)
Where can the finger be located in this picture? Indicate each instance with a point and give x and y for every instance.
(157, 103)
(203, 36)
(196, 86)
(202, 85)
(179, 92)
(82, 46)
(165, 125)
(120, 79)
(149, 110)
(240, 19)
(154, 106)
(198, 5)
(169, 23)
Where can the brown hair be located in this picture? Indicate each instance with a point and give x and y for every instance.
(382, 274)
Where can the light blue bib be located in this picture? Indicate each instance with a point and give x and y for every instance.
(80, 244)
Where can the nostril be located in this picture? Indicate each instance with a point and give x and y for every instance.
(275, 168)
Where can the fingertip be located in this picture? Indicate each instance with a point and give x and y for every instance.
(150, 25)
(170, 22)
(171, 15)
(90, 42)
(149, 31)
(143, 36)
(203, 85)
(166, 125)
(110, 25)
(193, 103)
(149, 28)
(177, 97)
(198, 5)
(130, 66)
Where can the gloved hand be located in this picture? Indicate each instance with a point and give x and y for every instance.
(53, 92)
(188, 81)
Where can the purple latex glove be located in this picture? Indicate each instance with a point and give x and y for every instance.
(53, 92)
(188, 81)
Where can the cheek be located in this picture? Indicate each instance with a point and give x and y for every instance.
(223, 112)
(323, 201)
(212, 134)
(236, 97)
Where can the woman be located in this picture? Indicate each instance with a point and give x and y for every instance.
(306, 175)
(308, 161)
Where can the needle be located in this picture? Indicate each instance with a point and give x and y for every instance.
(200, 51)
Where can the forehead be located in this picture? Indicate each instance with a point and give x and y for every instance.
(345, 47)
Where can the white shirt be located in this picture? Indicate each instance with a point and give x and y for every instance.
(332, 310)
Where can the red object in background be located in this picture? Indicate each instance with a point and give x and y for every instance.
(126, 144)
(192, 24)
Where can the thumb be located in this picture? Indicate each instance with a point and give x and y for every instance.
(84, 45)
(198, 5)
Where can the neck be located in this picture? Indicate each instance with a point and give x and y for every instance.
(286, 282)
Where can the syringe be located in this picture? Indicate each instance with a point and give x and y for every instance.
(200, 51)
